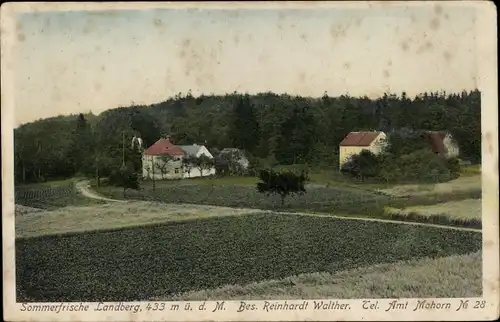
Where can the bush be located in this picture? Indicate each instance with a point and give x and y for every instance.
(281, 183)
(417, 166)
(453, 164)
(125, 178)
(362, 165)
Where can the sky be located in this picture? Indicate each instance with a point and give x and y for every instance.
(81, 61)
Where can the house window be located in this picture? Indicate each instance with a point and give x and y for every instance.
(176, 170)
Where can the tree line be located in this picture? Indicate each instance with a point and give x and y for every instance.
(272, 129)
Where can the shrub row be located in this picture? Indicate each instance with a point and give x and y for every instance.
(417, 166)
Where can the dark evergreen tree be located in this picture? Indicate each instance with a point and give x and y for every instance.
(245, 127)
(281, 183)
(274, 129)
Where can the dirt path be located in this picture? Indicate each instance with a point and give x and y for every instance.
(84, 188)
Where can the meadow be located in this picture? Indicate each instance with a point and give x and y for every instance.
(49, 196)
(172, 258)
(466, 183)
(468, 209)
(218, 238)
(451, 276)
(326, 197)
(74, 219)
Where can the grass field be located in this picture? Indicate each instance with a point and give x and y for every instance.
(172, 258)
(47, 184)
(470, 170)
(452, 276)
(51, 195)
(113, 215)
(219, 238)
(463, 184)
(463, 209)
(338, 200)
(234, 195)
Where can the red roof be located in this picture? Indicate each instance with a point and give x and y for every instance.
(164, 147)
(436, 140)
(359, 138)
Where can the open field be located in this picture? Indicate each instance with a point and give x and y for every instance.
(233, 195)
(470, 170)
(340, 200)
(180, 256)
(51, 195)
(464, 209)
(160, 248)
(47, 184)
(114, 215)
(236, 180)
(459, 185)
(452, 276)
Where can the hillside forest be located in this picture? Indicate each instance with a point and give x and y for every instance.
(272, 130)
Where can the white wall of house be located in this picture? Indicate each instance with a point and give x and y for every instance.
(173, 169)
(451, 146)
(162, 170)
(376, 147)
(196, 172)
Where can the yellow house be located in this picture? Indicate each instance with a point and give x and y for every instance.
(355, 142)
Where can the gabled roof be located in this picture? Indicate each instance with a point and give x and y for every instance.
(436, 139)
(359, 138)
(164, 147)
(191, 150)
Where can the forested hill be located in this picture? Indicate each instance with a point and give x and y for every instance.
(273, 129)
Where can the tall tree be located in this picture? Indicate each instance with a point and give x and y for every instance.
(245, 127)
(272, 128)
(281, 183)
(82, 148)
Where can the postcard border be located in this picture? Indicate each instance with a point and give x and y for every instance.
(487, 83)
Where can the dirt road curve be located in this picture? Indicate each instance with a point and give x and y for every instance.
(84, 188)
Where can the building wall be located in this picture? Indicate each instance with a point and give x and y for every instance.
(204, 151)
(451, 147)
(379, 144)
(162, 170)
(173, 169)
(195, 172)
(346, 152)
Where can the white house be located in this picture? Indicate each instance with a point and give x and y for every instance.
(355, 142)
(192, 170)
(162, 160)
